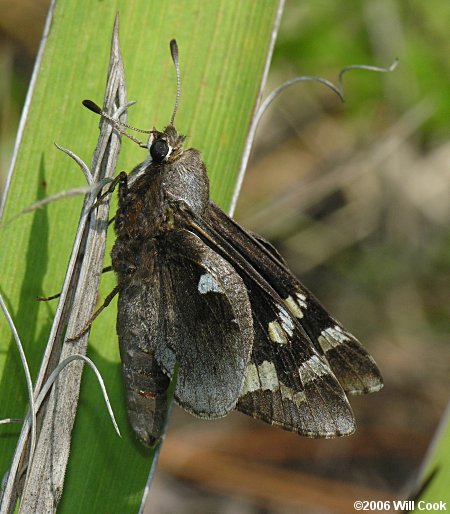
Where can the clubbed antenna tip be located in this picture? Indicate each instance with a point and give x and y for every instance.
(174, 53)
(92, 106)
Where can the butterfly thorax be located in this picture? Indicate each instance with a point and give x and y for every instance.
(171, 175)
(158, 191)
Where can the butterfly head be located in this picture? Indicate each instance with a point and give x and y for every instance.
(165, 146)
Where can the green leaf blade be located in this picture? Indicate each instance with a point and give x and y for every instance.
(223, 52)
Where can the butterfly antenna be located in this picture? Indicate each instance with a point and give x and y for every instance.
(174, 53)
(92, 106)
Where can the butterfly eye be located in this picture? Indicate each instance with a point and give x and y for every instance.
(159, 150)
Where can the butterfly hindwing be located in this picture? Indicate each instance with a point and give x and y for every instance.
(189, 310)
(208, 324)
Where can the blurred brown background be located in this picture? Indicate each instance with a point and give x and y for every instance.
(356, 197)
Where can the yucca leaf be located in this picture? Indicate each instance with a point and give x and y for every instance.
(224, 46)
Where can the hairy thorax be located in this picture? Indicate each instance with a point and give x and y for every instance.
(152, 204)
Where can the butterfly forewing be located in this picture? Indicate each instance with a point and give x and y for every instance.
(352, 364)
(288, 382)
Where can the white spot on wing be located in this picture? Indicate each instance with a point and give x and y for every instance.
(332, 337)
(313, 368)
(291, 304)
(281, 330)
(286, 321)
(251, 380)
(207, 284)
(287, 393)
(301, 300)
(276, 333)
(296, 305)
(264, 378)
(268, 376)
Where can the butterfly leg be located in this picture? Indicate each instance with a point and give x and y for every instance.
(106, 269)
(122, 180)
(121, 177)
(105, 304)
